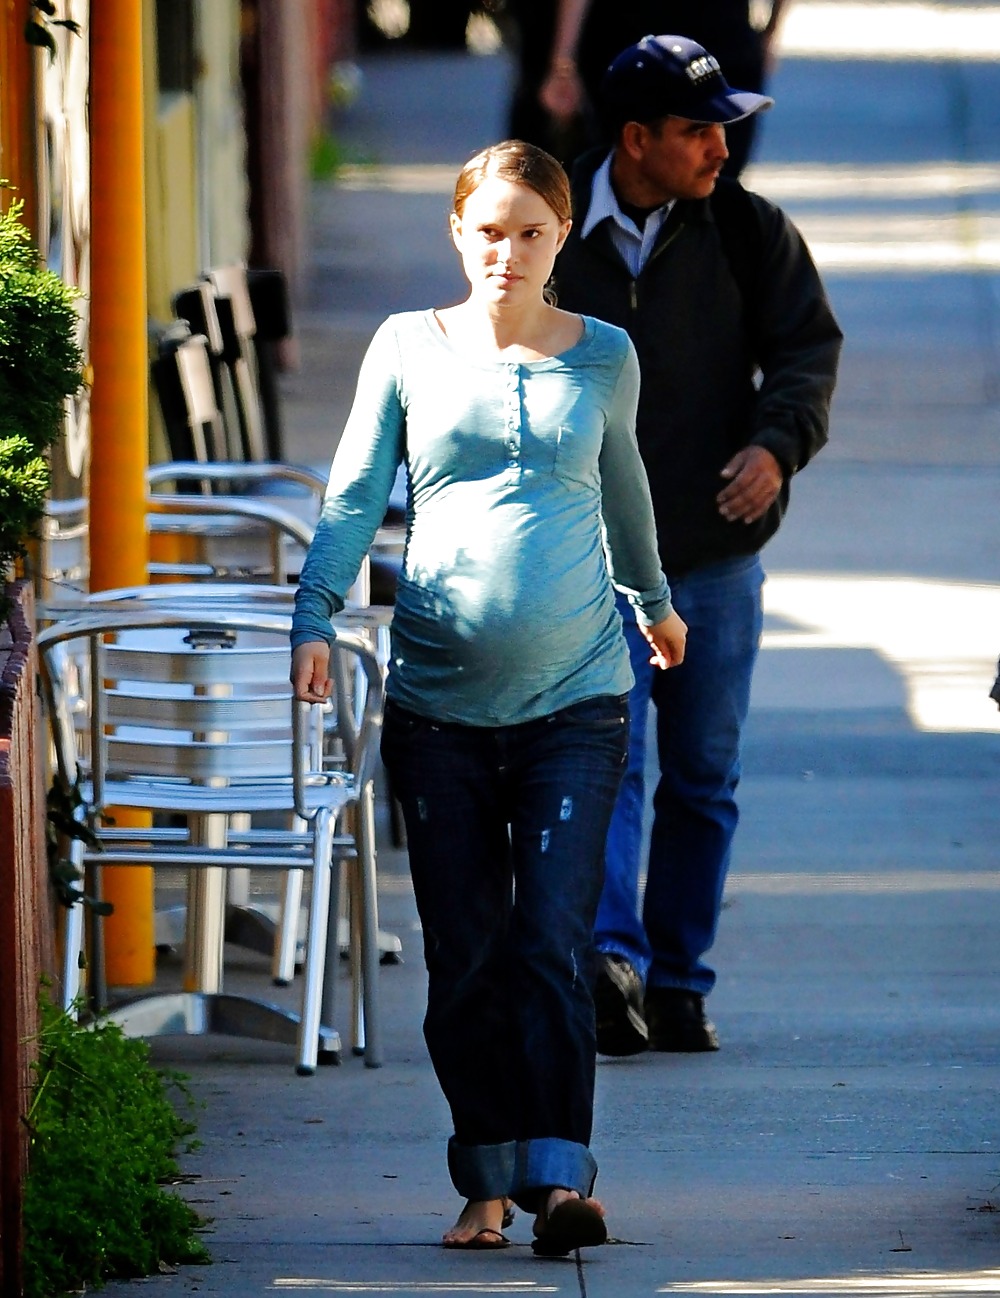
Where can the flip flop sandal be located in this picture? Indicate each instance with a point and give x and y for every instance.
(483, 1240)
(573, 1224)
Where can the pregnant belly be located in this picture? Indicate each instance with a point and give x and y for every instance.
(463, 624)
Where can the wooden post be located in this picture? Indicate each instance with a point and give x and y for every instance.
(119, 401)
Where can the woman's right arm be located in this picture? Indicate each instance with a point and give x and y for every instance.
(357, 494)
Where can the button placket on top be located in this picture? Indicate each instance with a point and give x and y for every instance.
(512, 415)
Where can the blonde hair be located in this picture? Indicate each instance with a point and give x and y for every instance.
(522, 164)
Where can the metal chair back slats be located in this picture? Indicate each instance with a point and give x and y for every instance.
(192, 712)
(196, 760)
(194, 373)
(238, 324)
(200, 663)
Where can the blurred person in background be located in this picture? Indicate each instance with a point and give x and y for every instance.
(565, 47)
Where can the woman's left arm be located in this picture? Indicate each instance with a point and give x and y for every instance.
(630, 526)
(626, 504)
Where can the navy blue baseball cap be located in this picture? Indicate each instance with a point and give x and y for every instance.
(663, 76)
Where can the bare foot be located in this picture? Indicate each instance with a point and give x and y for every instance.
(479, 1225)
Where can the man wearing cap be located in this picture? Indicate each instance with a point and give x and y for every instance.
(738, 352)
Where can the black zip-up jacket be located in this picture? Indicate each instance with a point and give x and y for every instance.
(703, 329)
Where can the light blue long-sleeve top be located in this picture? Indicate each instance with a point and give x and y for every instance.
(524, 490)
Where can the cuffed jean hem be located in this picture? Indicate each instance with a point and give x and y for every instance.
(482, 1171)
(519, 1170)
(639, 964)
(548, 1162)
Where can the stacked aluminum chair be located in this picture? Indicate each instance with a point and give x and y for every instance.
(190, 714)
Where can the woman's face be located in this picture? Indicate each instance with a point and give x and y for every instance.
(508, 237)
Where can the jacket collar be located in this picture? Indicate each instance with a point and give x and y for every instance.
(685, 210)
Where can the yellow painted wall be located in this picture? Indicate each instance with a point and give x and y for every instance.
(196, 185)
(171, 207)
(222, 135)
(172, 203)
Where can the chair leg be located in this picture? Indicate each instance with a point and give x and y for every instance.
(238, 881)
(73, 946)
(316, 972)
(368, 881)
(355, 963)
(206, 911)
(287, 935)
(339, 887)
(97, 965)
(397, 829)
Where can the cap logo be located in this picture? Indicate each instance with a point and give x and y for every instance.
(701, 68)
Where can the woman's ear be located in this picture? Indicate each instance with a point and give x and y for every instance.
(455, 221)
(564, 230)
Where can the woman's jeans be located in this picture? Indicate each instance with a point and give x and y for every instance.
(506, 828)
(701, 708)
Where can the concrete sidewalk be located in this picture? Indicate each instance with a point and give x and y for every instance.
(846, 1138)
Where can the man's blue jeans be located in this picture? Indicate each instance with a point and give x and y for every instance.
(506, 829)
(701, 708)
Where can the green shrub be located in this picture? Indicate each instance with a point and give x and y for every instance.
(104, 1136)
(40, 366)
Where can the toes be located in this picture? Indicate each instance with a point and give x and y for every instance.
(475, 1222)
(573, 1223)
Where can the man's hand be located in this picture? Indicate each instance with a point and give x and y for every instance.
(310, 674)
(667, 639)
(755, 479)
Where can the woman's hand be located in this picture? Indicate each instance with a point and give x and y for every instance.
(667, 639)
(310, 674)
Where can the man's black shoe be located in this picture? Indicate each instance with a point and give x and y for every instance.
(675, 1020)
(621, 1028)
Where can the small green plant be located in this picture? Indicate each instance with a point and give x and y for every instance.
(40, 366)
(326, 157)
(103, 1143)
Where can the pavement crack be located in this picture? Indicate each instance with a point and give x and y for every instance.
(581, 1279)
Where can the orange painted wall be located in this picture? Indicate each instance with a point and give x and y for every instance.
(17, 113)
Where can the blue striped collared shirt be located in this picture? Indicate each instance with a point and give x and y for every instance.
(632, 246)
